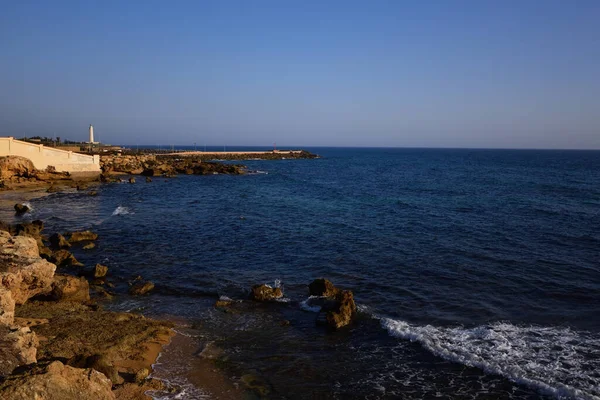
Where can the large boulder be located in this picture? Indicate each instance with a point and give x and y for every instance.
(70, 288)
(22, 271)
(12, 167)
(58, 382)
(266, 293)
(18, 346)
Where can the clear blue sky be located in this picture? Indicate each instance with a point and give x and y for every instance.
(370, 73)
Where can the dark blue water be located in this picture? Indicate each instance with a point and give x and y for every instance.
(476, 272)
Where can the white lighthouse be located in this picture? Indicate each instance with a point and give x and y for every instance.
(91, 134)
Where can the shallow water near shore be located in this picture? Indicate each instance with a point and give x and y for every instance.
(476, 272)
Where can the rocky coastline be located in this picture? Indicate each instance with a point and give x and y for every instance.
(56, 341)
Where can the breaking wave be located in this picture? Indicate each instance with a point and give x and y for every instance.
(555, 361)
(120, 210)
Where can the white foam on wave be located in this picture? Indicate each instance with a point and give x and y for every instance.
(307, 304)
(120, 210)
(555, 361)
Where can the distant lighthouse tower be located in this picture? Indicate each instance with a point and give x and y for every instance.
(91, 134)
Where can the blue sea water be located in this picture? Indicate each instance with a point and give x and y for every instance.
(476, 272)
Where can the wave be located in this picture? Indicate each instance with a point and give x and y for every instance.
(309, 305)
(120, 210)
(555, 361)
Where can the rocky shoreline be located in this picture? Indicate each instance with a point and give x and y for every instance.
(56, 341)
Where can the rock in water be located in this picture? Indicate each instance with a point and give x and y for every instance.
(65, 258)
(322, 287)
(148, 179)
(58, 381)
(266, 293)
(58, 242)
(70, 288)
(89, 246)
(343, 314)
(132, 180)
(21, 209)
(100, 271)
(141, 288)
(82, 236)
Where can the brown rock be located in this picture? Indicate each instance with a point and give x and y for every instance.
(102, 364)
(141, 375)
(12, 167)
(223, 303)
(132, 180)
(100, 271)
(344, 311)
(52, 189)
(82, 236)
(148, 179)
(89, 246)
(322, 287)
(58, 381)
(21, 208)
(141, 288)
(58, 241)
(18, 346)
(266, 293)
(70, 288)
(7, 307)
(65, 258)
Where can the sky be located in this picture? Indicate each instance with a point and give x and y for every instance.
(447, 73)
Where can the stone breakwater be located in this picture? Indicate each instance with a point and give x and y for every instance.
(55, 341)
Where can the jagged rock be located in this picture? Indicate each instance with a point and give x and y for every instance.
(22, 271)
(65, 258)
(7, 306)
(266, 293)
(70, 288)
(58, 242)
(322, 287)
(18, 346)
(21, 208)
(100, 271)
(141, 288)
(132, 180)
(58, 381)
(82, 236)
(344, 311)
(31, 229)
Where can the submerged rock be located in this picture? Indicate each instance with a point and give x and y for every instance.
(82, 236)
(265, 293)
(141, 288)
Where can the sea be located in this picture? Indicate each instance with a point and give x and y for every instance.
(476, 273)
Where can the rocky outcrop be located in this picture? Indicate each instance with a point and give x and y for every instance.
(7, 306)
(12, 167)
(58, 381)
(338, 308)
(266, 293)
(64, 258)
(99, 271)
(22, 271)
